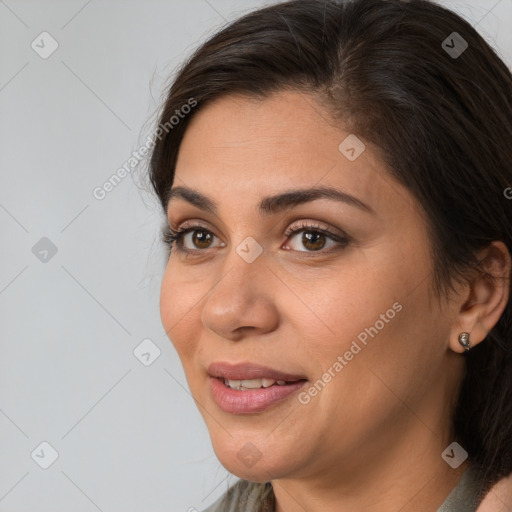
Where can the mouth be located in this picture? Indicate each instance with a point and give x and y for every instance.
(251, 388)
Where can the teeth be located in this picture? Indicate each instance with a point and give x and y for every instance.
(252, 383)
(235, 384)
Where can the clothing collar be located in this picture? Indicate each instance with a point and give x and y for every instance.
(464, 497)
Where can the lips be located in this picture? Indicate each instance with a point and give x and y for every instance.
(251, 401)
(248, 371)
(248, 388)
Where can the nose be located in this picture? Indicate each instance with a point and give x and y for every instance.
(242, 301)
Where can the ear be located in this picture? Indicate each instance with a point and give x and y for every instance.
(485, 298)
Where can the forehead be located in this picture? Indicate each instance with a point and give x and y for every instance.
(242, 149)
(282, 130)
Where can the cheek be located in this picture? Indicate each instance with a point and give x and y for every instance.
(344, 302)
(392, 351)
(180, 303)
(385, 355)
(372, 311)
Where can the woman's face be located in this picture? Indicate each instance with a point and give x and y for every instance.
(344, 304)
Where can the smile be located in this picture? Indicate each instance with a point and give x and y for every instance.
(249, 400)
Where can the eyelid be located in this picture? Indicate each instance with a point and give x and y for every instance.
(303, 224)
(315, 225)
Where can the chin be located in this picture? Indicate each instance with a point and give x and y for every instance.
(244, 460)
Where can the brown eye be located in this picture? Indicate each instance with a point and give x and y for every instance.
(201, 238)
(314, 239)
(190, 239)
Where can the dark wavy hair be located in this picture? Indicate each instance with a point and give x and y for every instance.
(443, 125)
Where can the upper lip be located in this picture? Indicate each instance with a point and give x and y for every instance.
(246, 371)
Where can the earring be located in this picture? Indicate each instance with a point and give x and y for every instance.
(464, 340)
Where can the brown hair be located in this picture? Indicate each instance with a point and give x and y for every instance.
(443, 124)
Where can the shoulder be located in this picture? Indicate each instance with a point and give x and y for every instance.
(245, 496)
(499, 498)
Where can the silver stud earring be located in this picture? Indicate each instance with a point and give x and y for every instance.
(464, 340)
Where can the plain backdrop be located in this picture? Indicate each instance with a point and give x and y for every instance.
(80, 276)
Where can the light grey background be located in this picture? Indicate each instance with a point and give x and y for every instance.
(128, 436)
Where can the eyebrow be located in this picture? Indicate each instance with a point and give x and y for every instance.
(273, 204)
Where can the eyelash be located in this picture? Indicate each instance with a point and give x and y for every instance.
(171, 235)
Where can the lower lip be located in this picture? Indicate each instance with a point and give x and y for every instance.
(236, 401)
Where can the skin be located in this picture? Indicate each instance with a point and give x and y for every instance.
(372, 439)
(499, 499)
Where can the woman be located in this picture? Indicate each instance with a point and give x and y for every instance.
(338, 284)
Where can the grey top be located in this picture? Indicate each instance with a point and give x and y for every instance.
(247, 496)
(464, 497)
